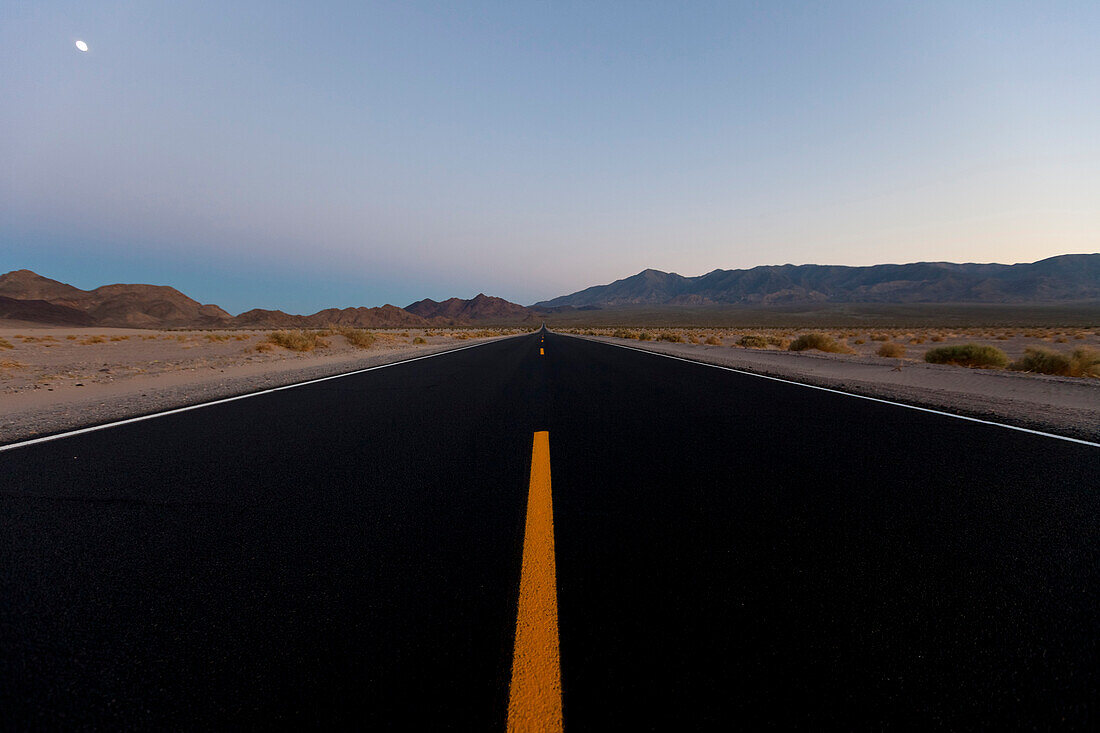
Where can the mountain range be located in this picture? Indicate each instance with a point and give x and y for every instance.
(1062, 278)
(27, 297)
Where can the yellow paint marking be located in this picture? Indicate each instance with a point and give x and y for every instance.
(542, 352)
(534, 698)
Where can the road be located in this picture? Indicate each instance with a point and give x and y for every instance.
(729, 550)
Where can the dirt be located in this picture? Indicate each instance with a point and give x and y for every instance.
(50, 382)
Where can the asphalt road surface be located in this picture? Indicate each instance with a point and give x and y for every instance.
(730, 552)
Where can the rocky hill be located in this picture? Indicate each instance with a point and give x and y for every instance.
(28, 297)
(133, 306)
(479, 308)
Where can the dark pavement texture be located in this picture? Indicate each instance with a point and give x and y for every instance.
(731, 551)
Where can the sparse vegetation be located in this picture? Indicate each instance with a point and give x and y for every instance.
(1085, 362)
(671, 337)
(968, 355)
(419, 340)
(358, 337)
(1043, 361)
(820, 342)
(296, 340)
(713, 341)
(752, 341)
(891, 350)
(5, 344)
(94, 340)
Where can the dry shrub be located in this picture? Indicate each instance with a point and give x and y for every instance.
(820, 342)
(264, 347)
(1085, 362)
(94, 340)
(645, 336)
(693, 339)
(968, 355)
(753, 341)
(880, 337)
(298, 340)
(624, 334)
(71, 337)
(1043, 361)
(891, 350)
(120, 338)
(358, 337)
(217, 337)
(859, 342)
(671, 337)
(713, 340)
(5, 344)
(419, 340)
(937, 338)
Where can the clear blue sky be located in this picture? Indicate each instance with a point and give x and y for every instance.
(303, 155)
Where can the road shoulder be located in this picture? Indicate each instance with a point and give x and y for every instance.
(35, 414)
(1060, 405)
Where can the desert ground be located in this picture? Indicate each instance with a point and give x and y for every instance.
(60, 378)
(907, 344)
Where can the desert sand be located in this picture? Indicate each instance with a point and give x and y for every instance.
(54, 379)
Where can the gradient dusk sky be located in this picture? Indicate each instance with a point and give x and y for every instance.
(300, 155)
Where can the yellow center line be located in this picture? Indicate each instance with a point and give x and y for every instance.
(542, 352)
(534, 698)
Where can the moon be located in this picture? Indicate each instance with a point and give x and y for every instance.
(82, 46)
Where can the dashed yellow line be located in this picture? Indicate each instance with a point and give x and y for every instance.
(534, 697)
(542, 352)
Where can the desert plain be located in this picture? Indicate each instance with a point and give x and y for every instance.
(60, 378)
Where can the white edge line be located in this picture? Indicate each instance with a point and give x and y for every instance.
(127, 421)
(840, 392)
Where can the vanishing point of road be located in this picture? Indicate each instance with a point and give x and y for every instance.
(546, 530)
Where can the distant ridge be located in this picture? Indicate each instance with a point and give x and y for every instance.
(133, 306)
(28, 297)
(480, 307)
(1062, 278)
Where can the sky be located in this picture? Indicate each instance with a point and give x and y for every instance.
(331, 154)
